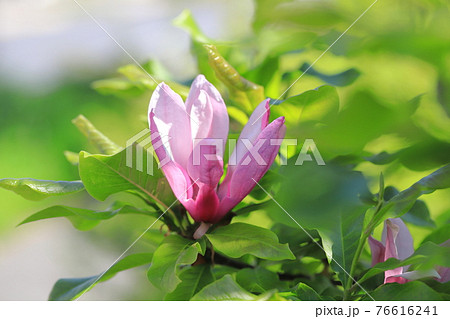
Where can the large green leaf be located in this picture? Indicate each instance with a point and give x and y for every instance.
(104, 175)
(34, 189)
(306, 293)
(193, 279)
(85, 219)
(239, 239)
(259, 280)
(173, 252)
(223, 289)
(410, 291)
(73, 288)
(100, 141)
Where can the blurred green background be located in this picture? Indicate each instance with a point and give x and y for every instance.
(390, 70)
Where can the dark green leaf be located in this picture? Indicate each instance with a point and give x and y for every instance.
(34, 189)
(223, 289)
(238, 239)
(410, 291)
(73, 288)
(340, 79)
(259, 280)
(173, 252)
(306, 293)
(193, 279)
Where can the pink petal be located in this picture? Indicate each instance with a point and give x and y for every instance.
(205, 166)
(377, 249)
(255, 125)
(176, 175)
(238, 185)
(219, 123)
(392, 231)
(206, 205)
(172, 122)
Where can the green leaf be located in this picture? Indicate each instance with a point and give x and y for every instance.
(100, 141)
(330, 202)
(238, 239)
(104, 175)
(34, 189)
(426, 257)
(306, 293)
(259, 280)
(439, 236)
(404, 201)
(223, 289)
(193, 279)
(84, 219)
(245, 93)
(320, 105)
(173, 252)
(72, 288)
(340, 79)
(410, 291)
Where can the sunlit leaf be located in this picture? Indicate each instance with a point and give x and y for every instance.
(245, 93)
(85, 219)
(34, 189)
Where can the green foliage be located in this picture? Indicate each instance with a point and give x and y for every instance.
(414, 290)
(173, 252)
(224, 289)
(33, 189)
(239, 239)
(85, 219)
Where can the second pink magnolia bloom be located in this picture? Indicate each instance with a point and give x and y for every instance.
(195, 127)
(397, 242)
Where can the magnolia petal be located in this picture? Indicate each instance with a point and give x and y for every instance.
(246, 175)
(206, 205)
(377, 250)
(417, 274)
(201, 116)
(176, 175)
(219, 124)
(256, 124)
(205, 166)
(172, 122)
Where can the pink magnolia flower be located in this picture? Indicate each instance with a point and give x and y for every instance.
(397, 242)
(193, 136)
